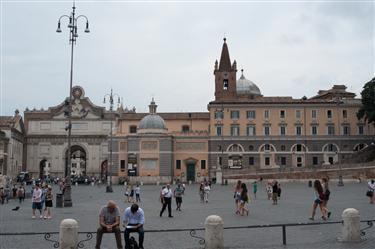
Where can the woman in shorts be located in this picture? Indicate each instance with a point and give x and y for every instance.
(318, 200)
(48, 203)
(237, 196)
(244, 198)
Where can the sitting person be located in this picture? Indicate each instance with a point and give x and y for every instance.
(109, 221)
(133, 220)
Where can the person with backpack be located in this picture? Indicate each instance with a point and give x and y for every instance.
(178, 193)
(21, 194)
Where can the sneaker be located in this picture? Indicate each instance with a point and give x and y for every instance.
(324, 218)
(41, 216)
(33, 217)
(329, 214)
(311, 218)
(49, 217)
(45, 217)
(170, 216)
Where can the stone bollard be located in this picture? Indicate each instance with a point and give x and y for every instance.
(68, 234)
(351, 227)
(214, 238)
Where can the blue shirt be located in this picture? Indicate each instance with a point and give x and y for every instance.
(134, 218)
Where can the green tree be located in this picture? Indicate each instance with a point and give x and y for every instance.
(368, 102)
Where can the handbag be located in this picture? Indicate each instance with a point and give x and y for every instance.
(369, 193)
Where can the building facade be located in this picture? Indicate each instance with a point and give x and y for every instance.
(46, 139)
(250, 131)
(12, 134)
(161, 147)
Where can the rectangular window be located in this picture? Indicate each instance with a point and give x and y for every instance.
(266, 114)
(178, 164)
(219, 115)
(133, 129)
(219, 130)
(282, 114)
(298, 114)
(234, 130)
(234, 114)
(185, 128)
(220, 160)
(346, 130)
(267, 130)
(344, 113)
(122, 165)
(360, 130)
(225, 84)
(250, 130)
(329, 113)
(298, 130)
(313, 114)
(250, 114)
(331, 130)
(282, 130)
(315, 160)
(267, 147)
(283, 160)
(267, 161)
(251, 160)
(314, 130)
(203, 164)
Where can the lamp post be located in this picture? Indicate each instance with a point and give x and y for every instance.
(73, 34)
(340, 182)
(109, 177)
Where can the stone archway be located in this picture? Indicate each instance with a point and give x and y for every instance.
(267, 154)
(78, 159)
(299, 155)
(330, 154)
(44, 168)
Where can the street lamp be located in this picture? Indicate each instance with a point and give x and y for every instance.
(109, 177)
(73, 34)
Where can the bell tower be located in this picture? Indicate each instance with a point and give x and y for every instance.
(225, 76)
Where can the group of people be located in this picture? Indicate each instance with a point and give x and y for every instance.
(133, 220)
(130, 191)
(16, 192)
(273, 190)
(204, 191)
(42, 200)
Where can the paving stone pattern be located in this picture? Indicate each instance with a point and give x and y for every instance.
(294, 206)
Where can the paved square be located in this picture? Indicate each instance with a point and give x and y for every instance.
(294, 206)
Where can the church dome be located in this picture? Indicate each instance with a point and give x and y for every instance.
(152, 123)
(245, 86)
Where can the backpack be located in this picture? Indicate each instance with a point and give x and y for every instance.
(133, 243)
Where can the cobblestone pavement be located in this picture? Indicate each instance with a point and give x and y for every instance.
(294, 206)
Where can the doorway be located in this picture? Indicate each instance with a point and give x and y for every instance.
(190, 172)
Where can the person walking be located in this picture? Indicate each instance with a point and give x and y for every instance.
(109, 222)
(255, 189)
(327, 194)
(318, 200)
(133, 221)
(275, 190)
(48, 203)
(269, 190)
(244, 198)
(178, 193)
(201, 192)
(207, 190)
(237, 196)
(371, 191)
(167, 201)
(137, 191)
(131, 195)
(21, 194)
(36, 200)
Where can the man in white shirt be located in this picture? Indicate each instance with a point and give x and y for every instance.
(133, 221)
(167, 196)
(37, 200)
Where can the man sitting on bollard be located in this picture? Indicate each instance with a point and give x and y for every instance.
(133, 221)
(109, 222)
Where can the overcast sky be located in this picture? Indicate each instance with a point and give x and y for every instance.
(168, 50)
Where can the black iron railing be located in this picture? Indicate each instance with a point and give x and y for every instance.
(193, 232)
